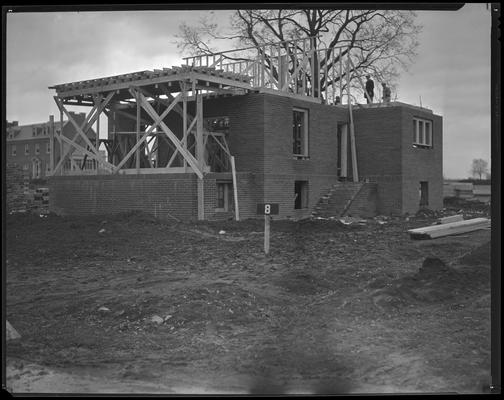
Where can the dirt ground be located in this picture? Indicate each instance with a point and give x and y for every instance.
(131, 304)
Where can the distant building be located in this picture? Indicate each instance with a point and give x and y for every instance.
(29, 147)
(467, 190)
(482, 193)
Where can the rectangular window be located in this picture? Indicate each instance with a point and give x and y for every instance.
(13, 150)
(27, 149)
(48, 148)
(422, 133)
(300, 133)
(224, 196)
(300, 194)
(37, 148)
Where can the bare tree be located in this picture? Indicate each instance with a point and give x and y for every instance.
(479, 167)
(380, 42)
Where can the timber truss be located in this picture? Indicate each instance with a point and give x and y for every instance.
(143, 102)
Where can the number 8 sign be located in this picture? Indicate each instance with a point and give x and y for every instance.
(267, 208)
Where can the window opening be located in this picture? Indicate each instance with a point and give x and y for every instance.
(300, 133)
(300, 194)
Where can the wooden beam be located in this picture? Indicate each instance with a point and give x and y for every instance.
(86, 125)
(199, 132)
(201, 198)
(355, 173)
(451, 228)
(344, 151)
(152, 81)
(138, 115)
(88, 153)
(235, 188)
(159, 121)
(51, 143)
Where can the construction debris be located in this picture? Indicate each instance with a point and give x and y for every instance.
(157, 319)
(451, 228)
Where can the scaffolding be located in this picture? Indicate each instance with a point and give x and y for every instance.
(139, 106)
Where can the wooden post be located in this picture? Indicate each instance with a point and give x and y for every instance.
(344, 150)
(200, 155)
(340, 62)
(138, 116)
(97, 141)
(51, 143)
(355, 174)
(266, 234)
(235, 189)
(184, 117)
(61, 141)
(201, 200)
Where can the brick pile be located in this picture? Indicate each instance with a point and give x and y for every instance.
(17, 189)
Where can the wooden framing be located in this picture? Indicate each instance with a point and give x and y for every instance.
(148, 99)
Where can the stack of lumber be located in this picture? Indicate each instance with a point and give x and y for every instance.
(450, 228)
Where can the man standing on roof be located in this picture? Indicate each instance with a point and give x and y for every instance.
(369, 89)
(386, 93)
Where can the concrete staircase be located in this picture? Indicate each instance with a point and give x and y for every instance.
(356, 199)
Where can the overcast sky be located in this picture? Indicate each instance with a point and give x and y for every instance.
(451, 74)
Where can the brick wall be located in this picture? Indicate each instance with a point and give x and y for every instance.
(378, 142)
(421, 164)
(385, 154)
(282, 170)
(162, 195)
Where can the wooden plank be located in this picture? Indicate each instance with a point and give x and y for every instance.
(51, 143)
(452, 218)
(451, 228)
(201, 199)
(138, 115)
(266, 234)
(344, 151)
(235, 188)
(355, 173)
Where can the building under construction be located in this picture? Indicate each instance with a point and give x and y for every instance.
(214, 137)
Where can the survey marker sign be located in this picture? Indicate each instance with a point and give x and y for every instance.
(267, 208)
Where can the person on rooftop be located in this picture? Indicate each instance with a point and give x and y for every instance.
(369, 89)
(386, 93)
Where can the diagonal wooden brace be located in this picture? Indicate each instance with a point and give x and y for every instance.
(88, 153)
(88, 122)
(137, 94)
(159, 121)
